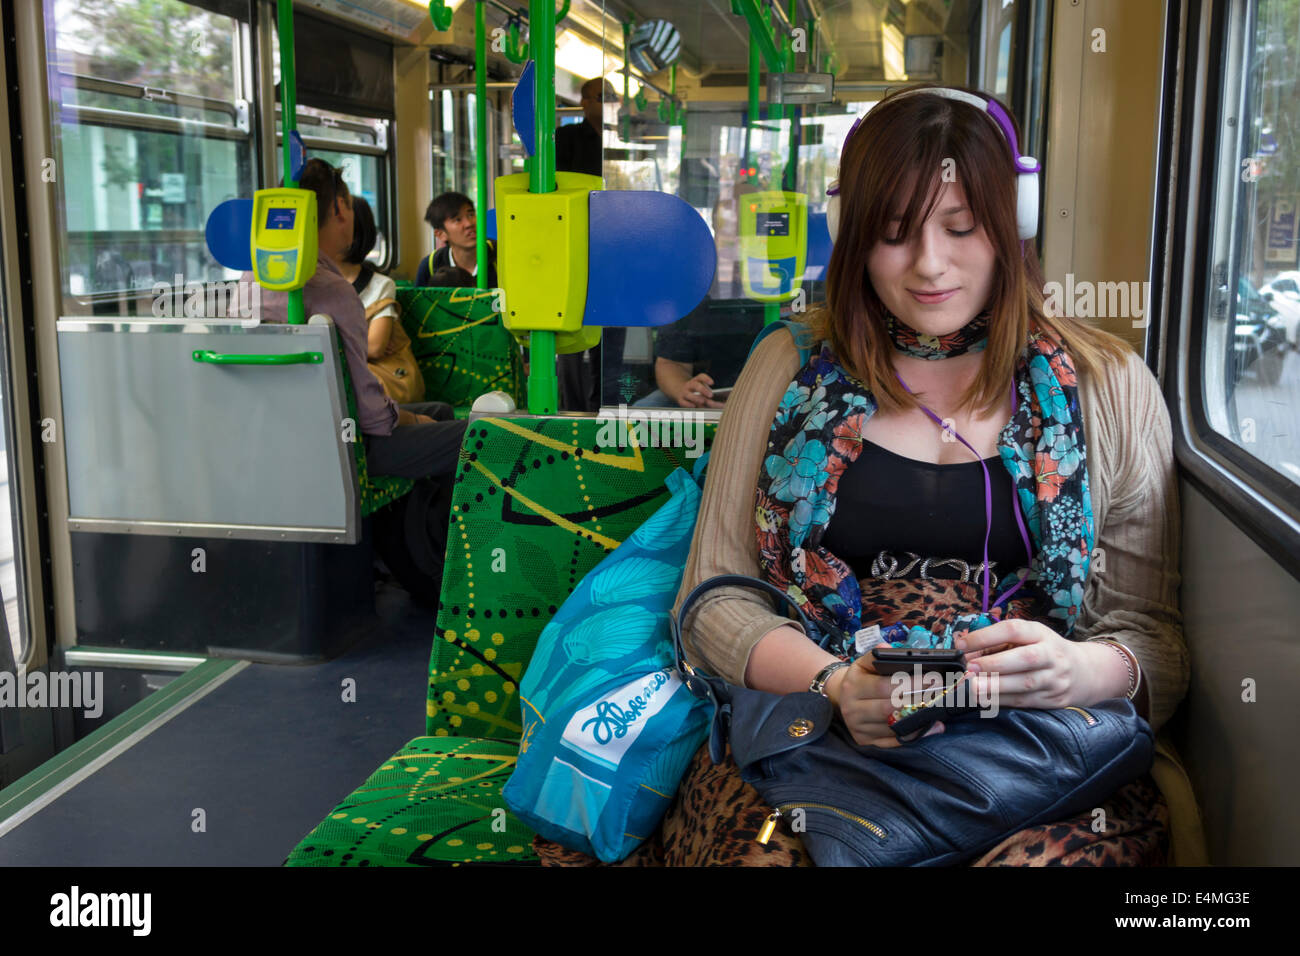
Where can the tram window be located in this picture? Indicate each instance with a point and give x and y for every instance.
(364, 176)
(365, 173)
(455, 166)
(153, 131)
(1252, 375)
(14, 641)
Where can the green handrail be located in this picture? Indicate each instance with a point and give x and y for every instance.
(480, 136)
(515, 51)
(543, 386)
(441, 14)
(207, 356)
(625, 120)
(289, 120)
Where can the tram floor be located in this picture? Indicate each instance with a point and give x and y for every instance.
(264, 756)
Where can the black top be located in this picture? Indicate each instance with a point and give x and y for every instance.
(442, 259)
(887, 502)
(577, 149)
(715, 338)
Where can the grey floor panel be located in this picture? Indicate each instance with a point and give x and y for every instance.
(265, 756)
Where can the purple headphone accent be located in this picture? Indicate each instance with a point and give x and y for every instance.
(992, 109)
(988, 502)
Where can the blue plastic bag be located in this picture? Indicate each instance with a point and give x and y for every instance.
(608, 726)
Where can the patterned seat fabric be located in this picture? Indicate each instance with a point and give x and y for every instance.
(436, 802)
(374, 491)
(460, 344)
(538, 503)
(463, 351)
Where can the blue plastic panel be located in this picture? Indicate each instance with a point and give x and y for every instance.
(819, 246)
(523, 108)
(651, 259)
(297, 155)
(229, 234)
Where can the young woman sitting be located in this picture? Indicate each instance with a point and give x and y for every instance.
(388, 349)
(950, 448)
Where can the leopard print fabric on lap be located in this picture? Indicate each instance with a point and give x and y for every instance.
(715, 819)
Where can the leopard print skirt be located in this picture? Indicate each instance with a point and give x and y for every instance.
(715, 819)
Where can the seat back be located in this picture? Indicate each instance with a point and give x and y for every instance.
(206, 427)
(538, 503)
(460, 344)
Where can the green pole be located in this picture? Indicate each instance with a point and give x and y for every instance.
(775, 111)
(543, 387)
(480, 134)
(789, 181)
(288, 124)
(625, 121)
(753, 97)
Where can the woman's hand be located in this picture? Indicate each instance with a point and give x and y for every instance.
(865, 699)
(1027, 664)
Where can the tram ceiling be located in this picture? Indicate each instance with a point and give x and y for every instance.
(868, 37)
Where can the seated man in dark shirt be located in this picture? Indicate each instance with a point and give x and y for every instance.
(454, 223)
(703, 351)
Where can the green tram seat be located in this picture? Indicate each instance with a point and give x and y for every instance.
(463, 350)
(461, 345)
(537, 504)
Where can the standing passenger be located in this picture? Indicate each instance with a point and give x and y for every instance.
(578, 150)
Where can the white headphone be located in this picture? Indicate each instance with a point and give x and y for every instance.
(1027, 167)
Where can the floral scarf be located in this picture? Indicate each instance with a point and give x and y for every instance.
(817, 434)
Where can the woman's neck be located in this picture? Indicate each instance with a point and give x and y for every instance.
(948, 378)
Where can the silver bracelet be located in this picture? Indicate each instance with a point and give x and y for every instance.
(818, 685)
(1134, 672)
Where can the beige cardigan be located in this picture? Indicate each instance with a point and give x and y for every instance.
(1131, 593)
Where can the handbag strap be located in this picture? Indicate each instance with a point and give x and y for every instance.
(817, 633)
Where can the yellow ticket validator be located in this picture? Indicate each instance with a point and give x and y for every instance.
(283, 238)
(773, 244)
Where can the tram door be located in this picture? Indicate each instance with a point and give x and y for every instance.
(26, 721)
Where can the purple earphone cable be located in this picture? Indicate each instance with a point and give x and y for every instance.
(988, 502)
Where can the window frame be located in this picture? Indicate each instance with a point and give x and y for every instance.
(1264, 503)
(239, 108)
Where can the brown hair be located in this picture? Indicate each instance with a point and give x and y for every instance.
(882, 159)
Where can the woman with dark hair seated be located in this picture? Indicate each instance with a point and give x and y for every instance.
(950, 452)
(388, 348)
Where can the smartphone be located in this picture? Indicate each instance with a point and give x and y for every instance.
(891, 660)
(720, 394)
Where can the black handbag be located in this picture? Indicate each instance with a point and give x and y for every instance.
(937, 801)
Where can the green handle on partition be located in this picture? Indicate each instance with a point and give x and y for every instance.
(285, 358)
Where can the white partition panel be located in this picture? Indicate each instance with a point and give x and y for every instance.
(158, 442)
